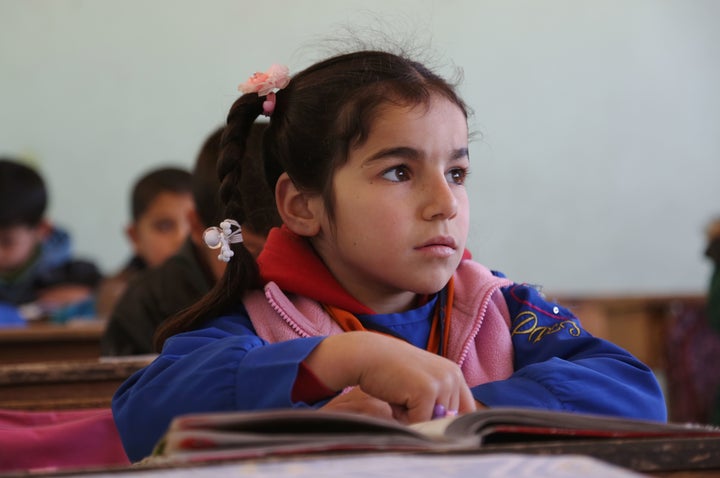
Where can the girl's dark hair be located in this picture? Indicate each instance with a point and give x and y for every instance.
(323, 113)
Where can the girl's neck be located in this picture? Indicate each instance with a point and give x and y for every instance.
(388, 301)
(386, 304)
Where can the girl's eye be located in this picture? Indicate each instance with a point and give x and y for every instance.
(397, 174)
(457, 176)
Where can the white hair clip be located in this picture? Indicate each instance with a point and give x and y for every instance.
(222, 237)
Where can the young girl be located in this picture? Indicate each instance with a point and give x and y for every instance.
(367, 287)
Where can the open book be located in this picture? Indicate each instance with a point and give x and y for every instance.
(638, 444)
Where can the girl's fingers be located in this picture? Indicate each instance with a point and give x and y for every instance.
(467, 402)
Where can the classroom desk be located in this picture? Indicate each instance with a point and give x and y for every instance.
(57, 385)
(43, 341)
(446, 465)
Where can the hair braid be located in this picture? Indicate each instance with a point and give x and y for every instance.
(241, 273)
(233, 146)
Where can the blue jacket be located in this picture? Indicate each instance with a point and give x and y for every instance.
(52, 265)
(226, 366)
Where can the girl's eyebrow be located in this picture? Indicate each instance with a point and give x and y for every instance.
(411, 153)
(395, 152)
(460, 153)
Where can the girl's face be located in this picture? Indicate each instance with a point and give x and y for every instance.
(401, 207)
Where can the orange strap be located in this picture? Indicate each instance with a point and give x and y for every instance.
(438, 330)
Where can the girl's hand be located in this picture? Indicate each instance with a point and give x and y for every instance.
(410, 379)
(357, 401)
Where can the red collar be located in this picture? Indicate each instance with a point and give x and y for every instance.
(288, 260)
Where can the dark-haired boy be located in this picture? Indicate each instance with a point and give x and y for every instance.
(36, 262)
(160, 205)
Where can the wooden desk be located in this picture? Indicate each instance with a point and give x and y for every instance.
(447, 465)
(65, 385)
(664, 457)
(44, 342)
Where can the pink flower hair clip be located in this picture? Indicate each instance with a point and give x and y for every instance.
(221, 237)
(267, 84)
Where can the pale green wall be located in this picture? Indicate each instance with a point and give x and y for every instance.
(599, 163)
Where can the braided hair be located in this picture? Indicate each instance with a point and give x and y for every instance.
(240, 190)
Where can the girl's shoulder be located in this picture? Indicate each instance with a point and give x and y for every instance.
(528, 299)
(234, 325)
(236, 315)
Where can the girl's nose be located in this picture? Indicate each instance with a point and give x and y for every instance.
(439, 199)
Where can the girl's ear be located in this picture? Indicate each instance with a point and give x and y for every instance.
(301, 212)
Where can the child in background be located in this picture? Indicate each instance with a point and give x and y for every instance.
(184, 278)
(160, 203)
(36, 262)
(368, 283)
(712, 252)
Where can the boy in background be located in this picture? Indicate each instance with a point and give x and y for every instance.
(36, 262)
(160, 203)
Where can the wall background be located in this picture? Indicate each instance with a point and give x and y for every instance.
(595, 171)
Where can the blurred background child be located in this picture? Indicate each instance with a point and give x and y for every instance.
(36, 260)
(160, 204)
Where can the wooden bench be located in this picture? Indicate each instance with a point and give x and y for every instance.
(58, 385)
(42, 342)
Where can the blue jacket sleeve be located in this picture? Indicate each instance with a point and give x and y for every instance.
(224, 366)
(560, 366)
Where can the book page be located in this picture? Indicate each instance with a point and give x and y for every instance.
(253, 434)
(434, 429)
(525, 422)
